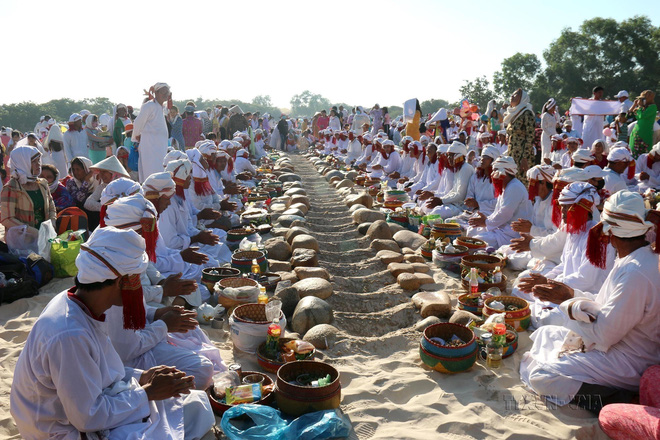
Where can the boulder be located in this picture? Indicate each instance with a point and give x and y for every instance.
(399, 268)
(433, 304)
(295, 231)
(407, 250)
(395, 227)
(309, 312)
(364, 227)
(304, 258)
(334, 173)
(412, 258)
(317, 287)
(278, 266)
(295, 192)
(369, 215)
(409, 239)
(321, 336)
(285, 200)
(301, 207)
(420, 267)
(355, 207)
(380, 245)
(351, 175)
(279, 232)
(288, 276)
(312, 272)
(421, 325)
(278, 208)
(304, 241)
(289, 298)
(299, 224)
(289, 177)
(361, 198)
(379, 229)
(300, 199)
(277, 249)
(387, 257)
(344, 184)
(463, 317)
(293, 212)
(286, 220)
(413, 281)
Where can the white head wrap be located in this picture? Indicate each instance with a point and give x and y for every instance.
(504, 165)
(491, 152)
(241, 152)
(159, 184)
(593, 172)
(20, 163)
(570, 175)
(224, 145)
(126, 212)
(619, 154)
(207, 148)
(198, 170)
(367, 137)
(180, 169)
(443, 148)
(457, 148)
(75, 117)
(118, 188)
(512, 112)
(621, 144)
(123, 249)
(54, 134)
(541, 172)
(582, 156)
(160, 85)
(406, 139)
(424, 139)
(576, 191)
(624, 215)
(655, 151)
(173, 155)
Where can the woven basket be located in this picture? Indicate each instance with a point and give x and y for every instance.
(242, 260)
(520, 319)
(236, 282)
(209, 279)
(482, 287)
(252, 314)
(219, 407)
(446, 230)
(445, 358)
(393, 204)
(482, 262)
(471, 243)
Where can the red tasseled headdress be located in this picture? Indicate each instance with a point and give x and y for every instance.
(135, 317)
(631, 169)
(649, 161)
(533, 189)
(202, 186)
(104, 208)
(498, 186)
(597, 246)
(150, 235)
(423, 154)
(556, 209)
(578, 216)
(560, 146)
(230, 165)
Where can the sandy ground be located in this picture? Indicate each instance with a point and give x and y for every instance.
(386, 390)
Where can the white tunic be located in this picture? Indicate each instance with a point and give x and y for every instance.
(549, 127)
(626, 336)
(69, 378)
(242, 165)
(653, 172)
(354, 150)
(75, 145)
(151, 128)
(614, 182)
(592, 129)
(454, 196)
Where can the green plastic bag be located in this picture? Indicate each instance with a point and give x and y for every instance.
(63, 255)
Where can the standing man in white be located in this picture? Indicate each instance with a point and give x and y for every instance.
(150, 130)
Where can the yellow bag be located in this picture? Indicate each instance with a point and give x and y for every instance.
(63, 255)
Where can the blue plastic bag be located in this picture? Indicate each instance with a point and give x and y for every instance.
(133, 157)
(270, 425)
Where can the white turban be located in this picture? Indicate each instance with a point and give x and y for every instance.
(505, 165)
(406, 139)
(159, 184)
(198, 170)
(20, 164)
(388, 143)
(621, 144)
(127, 212)
(541, 172)
(173, 155)
(75, 117)
(624, 215)
(424, 139)
(457, 148)
(442, 148)
(582, 156)
(180, 169)
(122, 253)
(620, 154)
(121, 187)
(241, 152)
(576, 191)
(571, 139)
(368, 137)
(655, 151)
(490, 151)
(160, 85)
(207, 148)
(224, 145)
(570, 175)
(484, 135)
(54, 134)
(593, 172)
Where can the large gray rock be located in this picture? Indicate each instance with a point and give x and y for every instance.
(355, 207)
(421, 325)
(351, 175)
(463, 317)
(398, 268)
(364, 227)
(278, 266)
(362, 199)
(380, 245)
(299, 199)
(413, 281)
(312, 272)
(317, 287)
(277, 249)
(334, 173)
(278, 208)
(295, 192)
(387, 257)
(286, 220)
(344, 184)
(409, 239)
(300, 206)
(289, 298)
(379, 229)
(309, 312)
(322, 336)
(295, 231)
(304, 258)
(293, 211)
(433, 304)
(395, 227)
(368, 215)
(304, 241)
(289, 177)
(299, 224)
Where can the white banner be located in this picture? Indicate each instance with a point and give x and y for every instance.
(581, 106)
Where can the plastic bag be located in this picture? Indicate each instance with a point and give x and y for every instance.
(63, 255)
(247, 336)
(269, 424)
(245, 294)
(22, 240)
(250, 243)
(46, 233)
(273, 309)
(206, 313)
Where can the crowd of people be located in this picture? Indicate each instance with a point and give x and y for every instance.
(566, 198)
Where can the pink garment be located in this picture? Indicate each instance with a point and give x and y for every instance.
(623, 421)
(322, 122)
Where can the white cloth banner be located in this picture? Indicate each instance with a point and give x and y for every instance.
(440, 115)
(409, 108)
(581, 106)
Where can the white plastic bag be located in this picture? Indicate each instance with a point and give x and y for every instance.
(22, 240)
(46, 233)
(206, 313)
(248, 336)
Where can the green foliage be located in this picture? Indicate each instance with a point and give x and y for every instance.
(518, 71)
(203, 104)
(308, 103)
(433, 105)
(262, 100)
(477, 92)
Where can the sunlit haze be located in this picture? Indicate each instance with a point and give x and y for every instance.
(358, 52)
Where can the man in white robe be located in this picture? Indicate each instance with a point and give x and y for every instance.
(647, 170)
(512, 204)
(618, 160)
(549, 120)
(593, 124)
(69, 381)
(150, 131)
(448, 202)
(606, 344)
(389, 163)
(75, 139)
(429, 179)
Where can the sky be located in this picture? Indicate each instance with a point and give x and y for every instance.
(359, 52)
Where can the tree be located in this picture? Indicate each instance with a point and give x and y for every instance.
(477, 92)
(262, 100)
(518, 71)
(614, 55)
(308, 103)
(433, 105)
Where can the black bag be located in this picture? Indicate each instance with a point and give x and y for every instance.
(19, 284)
(39, 269)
